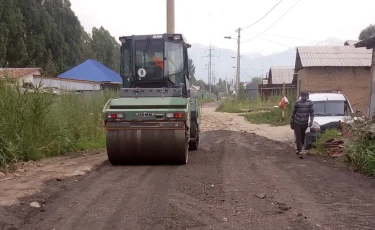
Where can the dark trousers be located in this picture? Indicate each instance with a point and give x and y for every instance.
(299, 133)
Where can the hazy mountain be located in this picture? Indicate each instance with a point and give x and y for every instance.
(252, 65)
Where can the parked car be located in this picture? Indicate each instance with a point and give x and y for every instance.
(329, 110)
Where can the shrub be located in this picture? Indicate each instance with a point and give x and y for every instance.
(360, 148)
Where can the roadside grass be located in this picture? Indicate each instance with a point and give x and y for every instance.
(206, 100)
(328, 135)
(260, 111)
(272, 117)
(35, 125)
(359, 149)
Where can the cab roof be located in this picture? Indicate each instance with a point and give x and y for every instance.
(164, 36)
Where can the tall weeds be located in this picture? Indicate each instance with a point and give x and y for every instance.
(259, 111)
(35, 125)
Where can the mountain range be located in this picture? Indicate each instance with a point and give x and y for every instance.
(252, 64)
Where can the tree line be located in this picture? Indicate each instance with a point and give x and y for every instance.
(47, 34)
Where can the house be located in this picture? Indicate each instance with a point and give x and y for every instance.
(24, 76)
(67, 84)
(93, 71)
(277, 76)
(88, 76)
(370, 44)
(335, 68)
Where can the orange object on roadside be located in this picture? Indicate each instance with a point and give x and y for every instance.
(284, 101)
(158, 62)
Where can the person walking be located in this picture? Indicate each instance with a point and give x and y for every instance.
(302, 111)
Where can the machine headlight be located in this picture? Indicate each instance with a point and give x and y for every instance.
(169, 115)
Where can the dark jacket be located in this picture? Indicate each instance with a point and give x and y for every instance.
(302, 111)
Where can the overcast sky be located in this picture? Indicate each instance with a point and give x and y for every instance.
(205, 21)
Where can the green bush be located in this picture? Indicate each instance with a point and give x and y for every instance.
(34, 125)
(359, 151)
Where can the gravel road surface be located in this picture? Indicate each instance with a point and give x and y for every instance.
(236, 180)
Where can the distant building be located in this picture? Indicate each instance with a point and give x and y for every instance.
(24, 76)
(94, 71)
(88, 76)
(335, 68)
(277, 76)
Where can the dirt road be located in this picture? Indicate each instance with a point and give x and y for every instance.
(237, 180)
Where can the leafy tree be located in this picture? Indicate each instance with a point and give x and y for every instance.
(47, 34)
(367, 32)
(12, 34)
(105, 48)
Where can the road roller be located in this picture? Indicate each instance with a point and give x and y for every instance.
(155, 120)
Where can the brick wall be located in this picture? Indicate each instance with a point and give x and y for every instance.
(353, 82)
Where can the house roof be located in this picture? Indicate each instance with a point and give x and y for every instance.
(92, 70)
(332, 56)
(281, 74)
(17, 72)
(194, 87)
(350, 42)
(369, 43)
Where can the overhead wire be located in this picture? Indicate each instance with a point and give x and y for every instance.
(275, 42)
(303, 39)
(273, 23)
(263, 16)
(250, 66)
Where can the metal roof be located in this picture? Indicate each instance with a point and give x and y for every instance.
(281, 74)
(332, 56)
(92, 70)
(350, 42)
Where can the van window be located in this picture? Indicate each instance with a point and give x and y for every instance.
(329, 108)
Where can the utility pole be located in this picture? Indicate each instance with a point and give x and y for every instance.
(170, 17)
(226, 86)
(238, 62)
(238, 59)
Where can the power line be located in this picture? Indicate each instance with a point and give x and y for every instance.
(250, 65)
(303, 39)
(275, 42)
(263, 16)
(210, 64)
(245, 73)
(273, 23)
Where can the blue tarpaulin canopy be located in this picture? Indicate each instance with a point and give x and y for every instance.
(92, 70)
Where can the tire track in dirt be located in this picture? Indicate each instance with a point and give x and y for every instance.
(80, 199)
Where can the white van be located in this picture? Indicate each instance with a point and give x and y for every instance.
(329, 109)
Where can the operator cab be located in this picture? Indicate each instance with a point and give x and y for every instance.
(155, 61)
